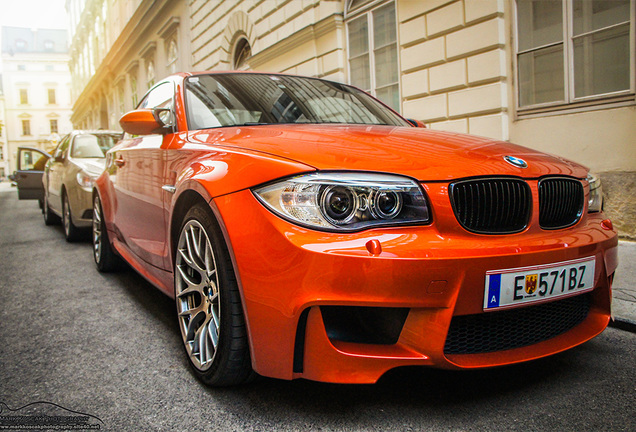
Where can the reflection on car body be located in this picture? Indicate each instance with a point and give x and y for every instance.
(305, 230)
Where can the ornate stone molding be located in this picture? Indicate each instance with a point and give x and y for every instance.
(311, 32)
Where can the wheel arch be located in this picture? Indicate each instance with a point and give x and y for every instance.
(64, 193)
(191, 197)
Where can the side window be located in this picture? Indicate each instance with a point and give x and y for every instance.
(31, 160)
(61, 149)
(159, 97)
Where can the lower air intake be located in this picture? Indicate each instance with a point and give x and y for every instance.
(515, 328)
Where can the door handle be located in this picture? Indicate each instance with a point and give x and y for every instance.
(120, 162)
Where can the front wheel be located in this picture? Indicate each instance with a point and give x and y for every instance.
(71, 232)
(209, 307)
(50, 218)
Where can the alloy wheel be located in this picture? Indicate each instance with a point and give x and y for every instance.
(66, 210)
(97, 230)
(197, 295)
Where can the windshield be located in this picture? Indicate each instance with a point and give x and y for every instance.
(255, 99)
(93, 145)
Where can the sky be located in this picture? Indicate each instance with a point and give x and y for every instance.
(33, 13)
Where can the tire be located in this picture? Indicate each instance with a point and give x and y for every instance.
(210, 314)
(50, 218)
(105, 258)
(71, 232)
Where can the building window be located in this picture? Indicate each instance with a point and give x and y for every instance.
(21, 67)
(373, 59)
(133, 90)
(20, 45)
(26, 127)
(242, 53)
(51, 94)
(150, 73)
(24, 96)
(49, 45)
(573, 51)
(173, 56)
(49, 68)
(53, 124)
(120, 94)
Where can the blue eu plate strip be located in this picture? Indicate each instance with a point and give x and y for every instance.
(494, 287)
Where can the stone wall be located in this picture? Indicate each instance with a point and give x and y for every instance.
(304, 37)
(454, 65)
(620, 201)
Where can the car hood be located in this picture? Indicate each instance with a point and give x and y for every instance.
(423, 154)
(93, 166)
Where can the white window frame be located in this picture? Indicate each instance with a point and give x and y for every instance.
(48, 96)
(26, 97)
(245, 65)
(367, 9)
(151, 80)
(26, 124)
(571, 102)
(172, 63)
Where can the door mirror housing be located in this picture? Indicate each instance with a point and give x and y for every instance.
(147, 121)
(416, 123)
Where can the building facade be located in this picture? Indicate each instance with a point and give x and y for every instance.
(36, 84)
(555, 76)
(4, 163)
(118, 50)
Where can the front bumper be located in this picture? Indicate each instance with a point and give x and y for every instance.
(287, 273)
(81, 202)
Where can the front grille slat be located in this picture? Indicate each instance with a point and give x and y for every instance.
(492, 206)
(515, 328)
(560, 202)
(504, 205)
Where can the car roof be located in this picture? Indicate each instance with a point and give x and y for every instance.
(96, 132)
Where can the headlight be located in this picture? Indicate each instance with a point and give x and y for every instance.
(346, 201)
(85, 180)
(595, 202)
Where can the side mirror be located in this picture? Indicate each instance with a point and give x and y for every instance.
(12, 177)
(147, 121)
(58, 159)
(416, 123)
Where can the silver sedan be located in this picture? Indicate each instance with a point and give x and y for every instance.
(68, 179)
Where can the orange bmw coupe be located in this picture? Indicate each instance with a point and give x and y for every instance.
(306, 230)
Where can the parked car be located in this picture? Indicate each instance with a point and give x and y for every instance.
(68, 179)
(306, 230)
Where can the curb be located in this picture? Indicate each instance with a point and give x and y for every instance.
(623, 324)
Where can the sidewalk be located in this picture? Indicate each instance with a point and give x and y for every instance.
(623, 289)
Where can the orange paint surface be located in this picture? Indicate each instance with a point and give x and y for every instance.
(287, 272)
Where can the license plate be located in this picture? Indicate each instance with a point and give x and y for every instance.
(508, 288)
